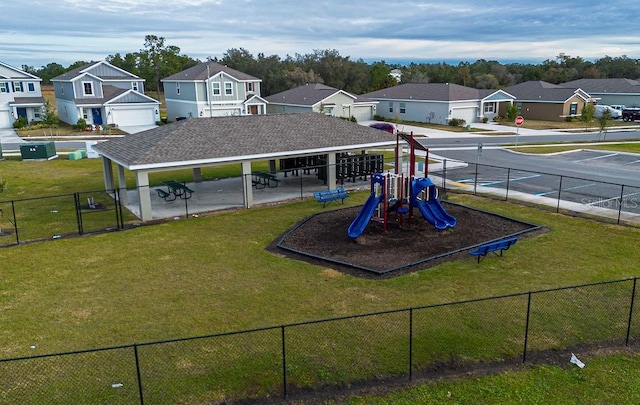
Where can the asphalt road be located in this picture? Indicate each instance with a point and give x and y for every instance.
(497, 140)
(592, 178)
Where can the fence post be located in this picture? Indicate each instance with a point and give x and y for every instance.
(301, 185)
(15, 221)
(526, 328)
(444, 175)
(559, 195)
(506, 196)
(410, 344)
(284, 365)
(620, 205)
(76, 201)
(475, 181)
(135, 352)
(633, 298)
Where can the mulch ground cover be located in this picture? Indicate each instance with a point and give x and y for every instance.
(322, 239)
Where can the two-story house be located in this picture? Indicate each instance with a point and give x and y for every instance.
(212, 90)
(104, 94)
(20, 96)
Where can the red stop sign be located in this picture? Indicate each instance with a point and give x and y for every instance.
(519, 120)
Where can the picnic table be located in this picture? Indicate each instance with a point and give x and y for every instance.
(261, 180)
(175, 189)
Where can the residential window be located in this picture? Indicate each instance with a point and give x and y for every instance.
(85, 115)
(216, 88)
(178, 88)
(228, 89)
(519, 105)
(17, 87)
(62, 89)
(573, 109)
(4, 87)
(489, 108)
(250, 87)
(403, 108)
(87, 88)
(134, 86)
(390, 107)
(31, 87)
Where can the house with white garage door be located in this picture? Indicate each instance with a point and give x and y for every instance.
(106, 95)
(438, 102)
(320, 98)
(20, 96)
(212, 90)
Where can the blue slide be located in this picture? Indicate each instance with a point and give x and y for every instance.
(361, 221)
(431, 209)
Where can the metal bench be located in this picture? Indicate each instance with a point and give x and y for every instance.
(328, 196)
(486, 248)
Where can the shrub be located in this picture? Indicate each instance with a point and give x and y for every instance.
(80, 124)
(457, 122)
(21, 122)
(485, 120)
(378, 117)
(353, 119)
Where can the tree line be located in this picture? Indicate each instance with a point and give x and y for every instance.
(157, 60)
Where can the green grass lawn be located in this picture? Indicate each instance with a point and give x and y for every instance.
(212, 274)
(618, 147)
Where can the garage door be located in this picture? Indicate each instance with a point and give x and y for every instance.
(5, 119)
(134, 116)
(363, 113)
(467, 114)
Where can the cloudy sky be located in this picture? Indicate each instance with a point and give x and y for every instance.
(65, 31)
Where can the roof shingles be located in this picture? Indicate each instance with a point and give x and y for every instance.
(232, 138)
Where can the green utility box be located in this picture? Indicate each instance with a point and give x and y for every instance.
(38, 151)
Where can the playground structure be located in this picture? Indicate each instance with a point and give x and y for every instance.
(394, 195)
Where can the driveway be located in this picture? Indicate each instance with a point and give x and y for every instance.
(8, 136)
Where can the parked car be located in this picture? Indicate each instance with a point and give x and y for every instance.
(631, 114)
(618, 107)
(600, 108)
(384, 126)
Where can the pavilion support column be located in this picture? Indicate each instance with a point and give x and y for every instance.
(107, 173)
(247, 187)
(122, 186)
(331, 170)
(272, 166)
(144, 196)
(197, 174)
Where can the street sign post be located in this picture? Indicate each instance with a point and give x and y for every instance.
(519, 121)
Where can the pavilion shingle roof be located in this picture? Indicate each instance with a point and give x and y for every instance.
(227, 139)
(199, 73)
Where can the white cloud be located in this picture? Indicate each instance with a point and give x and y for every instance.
(71, 30)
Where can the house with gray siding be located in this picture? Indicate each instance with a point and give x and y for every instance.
(212, 90)
(103, 94)
(438, 103)
(20, 96)
(609, 91)
(320, 98)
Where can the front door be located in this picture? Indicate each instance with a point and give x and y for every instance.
(97, 116)
(253, 109)
(22, 112)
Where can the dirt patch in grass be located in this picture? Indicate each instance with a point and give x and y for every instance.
(322, 239)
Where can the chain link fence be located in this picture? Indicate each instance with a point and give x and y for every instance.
(300, 359)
